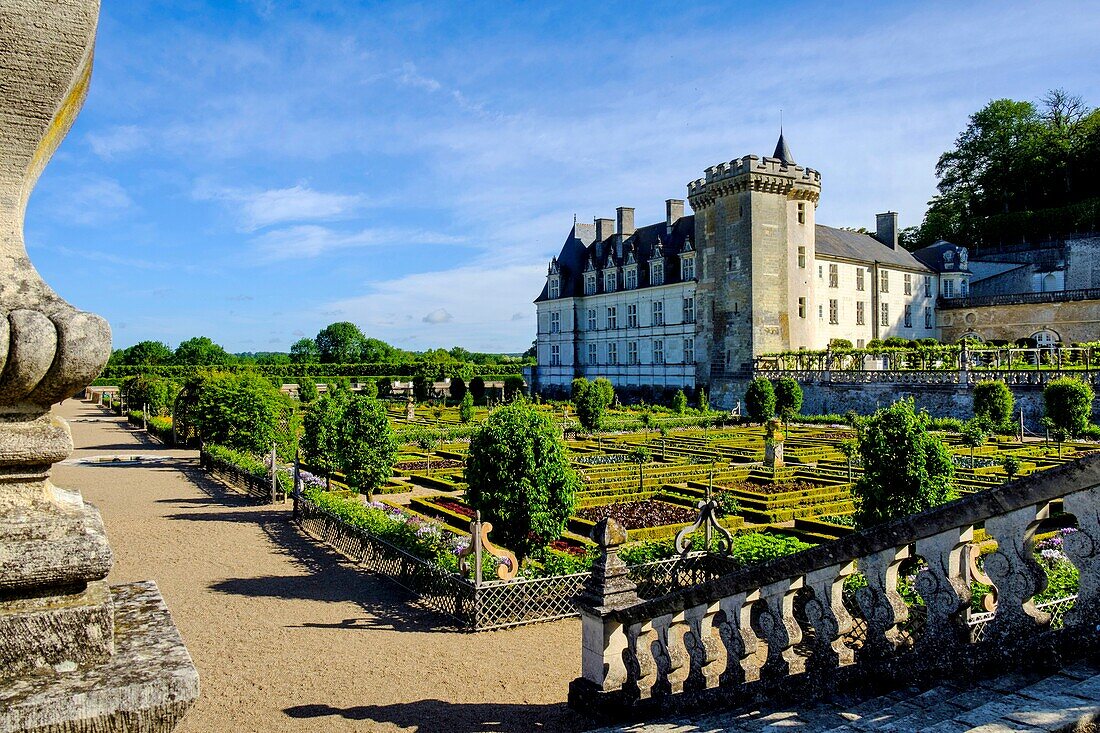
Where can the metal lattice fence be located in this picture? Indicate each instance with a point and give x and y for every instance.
(493, 604)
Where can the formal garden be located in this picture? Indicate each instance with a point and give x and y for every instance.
(399, 484)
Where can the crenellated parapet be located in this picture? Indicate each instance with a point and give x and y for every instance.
(753, 173)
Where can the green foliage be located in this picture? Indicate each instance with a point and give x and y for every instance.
(155, 393)
(788, 397)
(145, 353)
(993, 401)
(477, 389)
(307, 391)
(1011, 465)
(747, 549)
(606, 390)
(591, 401)
(513, 386)
(760, 400)
(1068, 405)
(320, 443)
(703, 400)
(238, 411)
(840, 344)
(679, 402)
(466, 408)
(201, 351)
(906, 469)
(519, 478)
(458, 388)
(368, 445)
(340, 343)
(304, 351)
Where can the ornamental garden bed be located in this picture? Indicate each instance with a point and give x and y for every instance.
(640, 514)
(439, 464)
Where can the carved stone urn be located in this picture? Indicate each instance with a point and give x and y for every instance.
(69, 645)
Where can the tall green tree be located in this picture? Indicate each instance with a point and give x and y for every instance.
(760, 400)
(906, 468)
(304, 351)
(591, 402)
(239, 411)
(201, 351)
(340, 343)
(993, 401)
(1068, 404)
(368, 444)
(321, 436)
(148, 352)
(519, 477)
(788, 398)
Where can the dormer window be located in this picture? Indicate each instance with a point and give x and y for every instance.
(555, 286)
(609, 282)
(657, 273)
(590, 284)
(687, 268)
(630, 278)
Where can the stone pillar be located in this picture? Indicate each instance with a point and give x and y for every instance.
(75, 654)
(773, 445)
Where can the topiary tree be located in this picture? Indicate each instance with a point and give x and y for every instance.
(513, 386)
(703, 400)
(1011, 465)
(647, 420)
(477, 389)
(519, 478)
(368, 444)
(307, 390)
(679, 402)
(1068, 405)
(993, 401)
(466, 408)
(906, 469)
(788, 398)
(850, 448)
(458, 388)
(427, 441)
(641, 456)
(238, 411)
(760, 400)
(321, 434)
(590, 403)
(606, 390)
(974, 434)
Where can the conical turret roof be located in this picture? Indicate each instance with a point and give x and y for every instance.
(782, 151)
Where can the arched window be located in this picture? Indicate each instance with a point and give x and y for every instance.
(1050, 282)
(1046, 338)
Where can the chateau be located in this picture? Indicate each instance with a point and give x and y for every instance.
(691, 300)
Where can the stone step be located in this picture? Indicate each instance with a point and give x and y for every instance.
(1066, 701)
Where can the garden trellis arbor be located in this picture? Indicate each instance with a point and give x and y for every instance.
(1071, 359)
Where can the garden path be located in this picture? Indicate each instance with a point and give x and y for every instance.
(289, 636)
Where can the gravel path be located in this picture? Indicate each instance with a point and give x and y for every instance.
(288, 636)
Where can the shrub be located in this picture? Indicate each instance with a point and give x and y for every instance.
(591, 403)
(606, 390)
(679, 402)
(702, 400)
(457, 388)
(238, 411)
(477, 389)
(974, 434)
(513, 385)
(368, 445)
(788, 397)
(840, 344)
(466, 408)
(1011, 466)
(760, 400)
(993, 401)
(307, 391)
(519, 477)
(906, 469)
(155, 394)
(321, 437)
(1068, 405)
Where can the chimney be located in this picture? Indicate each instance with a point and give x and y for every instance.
(674, 212)
(604, 229)
(886, 229)
(625, 216)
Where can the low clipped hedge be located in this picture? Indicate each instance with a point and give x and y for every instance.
(294, 371)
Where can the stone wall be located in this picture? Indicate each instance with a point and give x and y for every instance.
(1083, 263)
(1074, 321)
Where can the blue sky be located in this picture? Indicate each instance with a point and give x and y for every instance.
(252, 170)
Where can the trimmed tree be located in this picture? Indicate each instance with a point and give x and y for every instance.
(906, 468)
(760, 400)
(238, 411)
(458, 388)
(466, 408)
(993, 401)
(321, 435)
(974, 433)
(1068, 405)
(519, 478)
(788, 398)
(307, 390)
(591, 401)
(368, 444)
(641, 456)
(477, 389)
(679, 402)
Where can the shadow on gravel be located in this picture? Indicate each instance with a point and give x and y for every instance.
(438, 716)
(327, 576)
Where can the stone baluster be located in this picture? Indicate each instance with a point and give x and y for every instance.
(604, 642)
(828, 617)
(735, 630)
(945, 591)
(1016, 574)
(669, 653)
(882, 607)
(703, 647)
(780, 631)
(638, 661)
(1083, 549)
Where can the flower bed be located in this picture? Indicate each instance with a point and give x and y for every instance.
(640, 514)
(404, 466)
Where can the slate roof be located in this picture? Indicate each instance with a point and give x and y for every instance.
(843, 244)
(932, 255)
(782, 151)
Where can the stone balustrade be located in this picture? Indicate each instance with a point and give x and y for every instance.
(784, 630)
(961, 377)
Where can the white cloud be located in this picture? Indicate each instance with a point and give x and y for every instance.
(117, 141)
(311, 240)
(439, 315)
(87, 200)
(259, 209)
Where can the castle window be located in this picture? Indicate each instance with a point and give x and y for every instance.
(834, 311)
(632, 315)
(860, 343)
(689, 309)
(802, 257)
(555, 355)
(801, 307)
(555, 322)
(884, 282)
(592, 354)
(834, 276)
(964, 286)
(555, 287)
(613, 354)
(859, 278)
(885, 314)
(801, 212)
(948, 288)
(689, 351)
(589, 284)
(657, 273)
(820, 272)
(908, 316)
(927, 287)
(860, 318)
(632, 352)
(820, 312)
(609, 282)
(658, 352)
(658, 313)
(687, 269)
(591, 319)
(612, 317)
(927, 317)
(908, 286)
(631, 277)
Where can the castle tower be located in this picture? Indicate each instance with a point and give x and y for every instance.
(754, 228)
